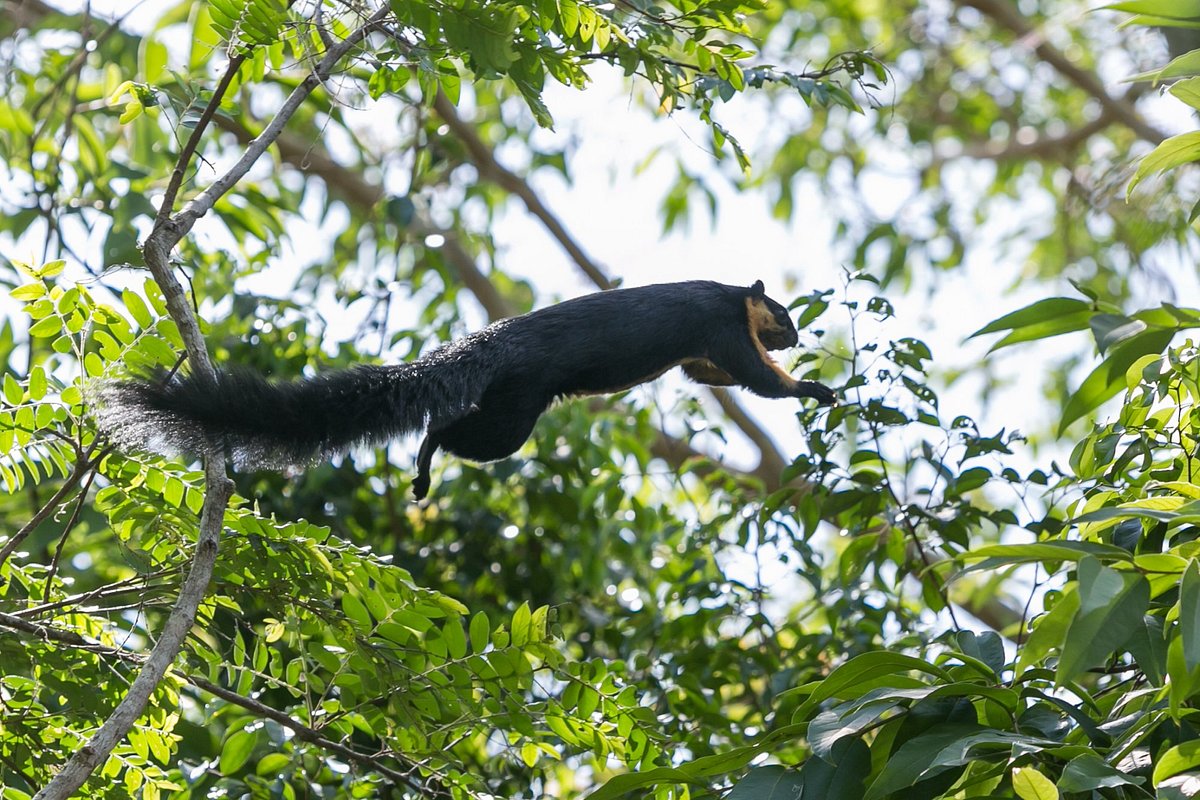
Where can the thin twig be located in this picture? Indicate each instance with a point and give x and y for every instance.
(167, 206)
(62, 540)
(82, 466)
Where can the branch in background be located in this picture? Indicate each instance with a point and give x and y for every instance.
(492, 170)
(1005, 14)
(1043, 148)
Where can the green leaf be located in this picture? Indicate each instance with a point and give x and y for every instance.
(1111, 605)
(1047, 328)
(236, 751)
(520, 625)
(840, 778)
(1188, 91)
(1088, 772)
(30, 291)
(1180, 758)
(133, 110)
(1187, 512)
(1041, 311)
(856, 675)
(947, 745)
(568, 16)
(833, 725)
(1184, 66)
(1183, 681)
(45, 328)
(37, 382)
(1159, 8)
(1047, 551)
(1029, 784)
(271, 765)
(13, 393)
(481, 632)
(137, 308)
(1106, 380)
(356, 611)
(1149, 649)
(456, 640)
(1177, 150)
(1112, 328)
(1189, 614)
(766, 783)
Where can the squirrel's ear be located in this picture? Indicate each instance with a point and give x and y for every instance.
(758, 290)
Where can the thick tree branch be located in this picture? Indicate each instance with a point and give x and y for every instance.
(1005, 14)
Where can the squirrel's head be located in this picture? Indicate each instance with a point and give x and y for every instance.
(769, 321)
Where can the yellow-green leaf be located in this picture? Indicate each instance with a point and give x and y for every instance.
(1171, 153)
(1029, 784)
(30, 291)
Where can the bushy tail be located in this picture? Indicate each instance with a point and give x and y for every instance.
(263, 423)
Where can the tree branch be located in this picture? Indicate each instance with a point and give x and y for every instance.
(1005, 14)
(167, 206)
(203, 202)
(302, 731)
(307, 734)
(157, 251)
(492, 170)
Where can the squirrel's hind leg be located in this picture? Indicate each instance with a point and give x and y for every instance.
(429, 446)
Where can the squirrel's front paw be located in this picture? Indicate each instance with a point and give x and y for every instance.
(817, 391)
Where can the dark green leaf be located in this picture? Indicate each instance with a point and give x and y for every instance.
(1106, 380)
(1189, 614)
(1111, 605)
(1087, 772)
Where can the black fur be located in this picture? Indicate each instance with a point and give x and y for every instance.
(479, 396)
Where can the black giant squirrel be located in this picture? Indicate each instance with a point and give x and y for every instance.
(477, 397)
